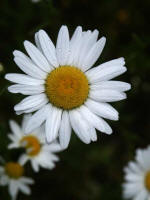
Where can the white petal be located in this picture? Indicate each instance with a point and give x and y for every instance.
(13, 137)
(25, 189)
(88, 42)
(37, 56)
(134, 177)
(93, 54)
(37, 118)
(84, 49)
(35, 166)
(94, 120)
(65, 130)
(53, 122)
(111, 63)
(15, 128)
(27, 180)
(12, 146)
(75, 46)
(74, 36)
(105, 74)
(37, 42)
(142, 195)
(107, 95)
(20, 54)
(23, 79)
(53, 147)
(135, 167)
(131, 189)
(102, 109)
(23, 159)
(13, 189)
(140, 159)
(4, 180)
(33, 109)
(93, 38)
(80, 126)
(93, 135)
(62, 46)
(114, 85)
(26, 89)
(48, 48)
(31, 101)
(30, 68)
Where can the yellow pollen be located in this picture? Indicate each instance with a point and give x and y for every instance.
(32, 145)
(14, 170)
(147, 180)
(67, 87)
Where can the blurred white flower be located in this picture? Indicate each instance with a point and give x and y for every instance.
(137, 176)
(12, 174)
(37, 152)
(63, 90)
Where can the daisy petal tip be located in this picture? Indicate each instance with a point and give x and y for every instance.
(41, 31)
(116, 117)
(124, 96)
(16, 107)
(109, 132)
(26, 43)
(63, 146)
(64, 26)
(6, 76)
(129, 86)
(15, 52)
(102, 40)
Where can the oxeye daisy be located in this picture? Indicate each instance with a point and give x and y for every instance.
(137, 176)
(63, 90)
(12, 174)
(36, 151)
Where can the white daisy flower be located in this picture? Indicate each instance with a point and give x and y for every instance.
(137, 176)
(63, 90)
(37, 152)
(12, 174)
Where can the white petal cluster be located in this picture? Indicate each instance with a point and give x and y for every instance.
(46, 157)
(135, 173)
(81, 51)
(15, 185)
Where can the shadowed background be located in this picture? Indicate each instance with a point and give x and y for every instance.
(95, 171)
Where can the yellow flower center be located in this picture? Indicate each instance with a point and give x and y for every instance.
(32, 145)
(67, 87)
(14, 170)
(147, 180)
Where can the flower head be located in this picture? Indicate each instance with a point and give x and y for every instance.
(36, 151)
(12, 174)
(137, 176)
(63, 91)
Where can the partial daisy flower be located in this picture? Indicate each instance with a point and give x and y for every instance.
(12, 174)
(63, 90)
(36, 151)
(137, 176)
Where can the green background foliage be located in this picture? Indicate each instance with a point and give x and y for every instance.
(95, 171)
